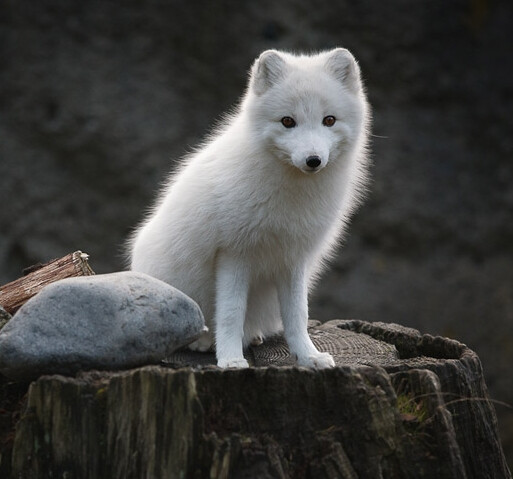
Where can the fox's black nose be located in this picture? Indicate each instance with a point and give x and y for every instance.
(313, 161)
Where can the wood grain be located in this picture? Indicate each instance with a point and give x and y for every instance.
(13, 295)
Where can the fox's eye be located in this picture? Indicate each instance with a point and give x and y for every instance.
(329, 120)
(288, 122)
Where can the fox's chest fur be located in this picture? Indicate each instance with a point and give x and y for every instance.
(280, 219)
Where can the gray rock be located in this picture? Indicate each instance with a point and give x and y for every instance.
(112, 321)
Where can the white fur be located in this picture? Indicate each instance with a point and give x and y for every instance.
(245, 225)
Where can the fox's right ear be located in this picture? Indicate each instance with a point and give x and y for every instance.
(268, 69)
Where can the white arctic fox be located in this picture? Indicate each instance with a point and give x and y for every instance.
(245, 225)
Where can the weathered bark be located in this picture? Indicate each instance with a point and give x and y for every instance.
(399, 405)
(13, 295)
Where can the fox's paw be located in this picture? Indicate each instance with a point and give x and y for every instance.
(238, 363)
(257, 340)
(203, 344)
(317, 361)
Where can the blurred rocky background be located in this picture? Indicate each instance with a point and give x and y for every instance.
(99, 99)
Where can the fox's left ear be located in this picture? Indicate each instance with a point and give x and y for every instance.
(342, 65)
(268, 69)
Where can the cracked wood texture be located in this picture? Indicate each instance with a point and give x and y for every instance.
(398, 405)
(14, 294)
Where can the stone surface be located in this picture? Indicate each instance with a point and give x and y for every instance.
(112, 321)
(97, 101)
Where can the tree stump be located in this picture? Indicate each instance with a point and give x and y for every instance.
(398, 405)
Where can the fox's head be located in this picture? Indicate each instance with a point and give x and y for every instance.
(309, 109)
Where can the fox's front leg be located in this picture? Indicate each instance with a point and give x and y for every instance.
(293, 296)
(232, 286)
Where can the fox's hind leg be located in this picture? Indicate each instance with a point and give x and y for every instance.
(204, 343)
(263, 313)
(206, 340)
(257, 340)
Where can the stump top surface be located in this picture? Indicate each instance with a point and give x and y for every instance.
(351, 343)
